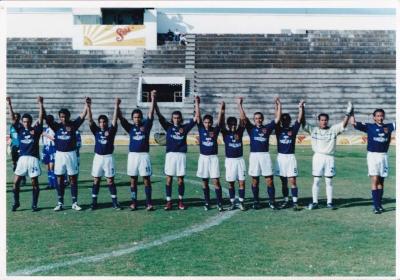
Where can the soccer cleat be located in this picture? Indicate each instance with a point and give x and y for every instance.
(272, 205)
(313, 206)
(381, 209)
(256, 205)
(133, 206)
(296, 207)
(220, 208)
(76, 207)
(377, 211)
(232, 207)
(15, 206)
(35, 208)
(59, 207)
(285, 204)
(331, 206)
(168, 206)
(181, 206)
(241, 206)
(93, 206)
(117, 207)
(206, 207)
(150, 207)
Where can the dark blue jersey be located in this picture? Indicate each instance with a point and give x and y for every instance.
(286, 138)
(139, 135)
(29, 139)
(259, 136)
(208, 140)
(233, 142)
(65, 134)
(104, 139)
(176, 135)
(378, 135)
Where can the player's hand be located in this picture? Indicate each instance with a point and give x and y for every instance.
(222, 104)
(40, 99)
(88, 101)
(239, 100)
(301, 103)
(197, 99)
(349, 109)
(8, 98)
(153, 95)
(117, 101)
(277, 100)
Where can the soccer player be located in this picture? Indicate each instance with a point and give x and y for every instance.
(49, 152)
(235, 166)
(139, 163)
(260, 161)
(14, 144)
(323, 143)
(66, 157)
(28, 162)
(208, 164)
(379, 135)
(103, 161)
(286, 164)
(175, 158)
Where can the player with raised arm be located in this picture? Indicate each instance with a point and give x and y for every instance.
(139, 163)
(28, 161)
(103, 161)
(260, 163)
(235, 166)
(66, 157)
(176, 149)
(14, 144)
(48, 153)
(208, 164)
(379, 136)
(286, 163)
(323, 143)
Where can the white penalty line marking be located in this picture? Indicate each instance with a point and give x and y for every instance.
(211, 222)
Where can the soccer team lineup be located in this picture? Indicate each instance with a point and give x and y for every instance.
(61, 154)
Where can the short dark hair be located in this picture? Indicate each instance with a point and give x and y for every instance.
(27, 116)
(17, 116)
(231, 120)
(137, 111)
(49, 118)
(379, 110)
(177, 113)
(259, 113)
(208, 117)
(64, 111)
(285, 117)
(103, 117)
(323, 115)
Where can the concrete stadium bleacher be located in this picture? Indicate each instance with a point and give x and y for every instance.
(327, 68)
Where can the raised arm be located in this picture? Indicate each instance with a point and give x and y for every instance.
(300, 117)
(349, 112)
(116, 111)
(221, 114)
(90, 115)
(242, 114)
(151, 110)
(164, 123)
(41, 109)
(278, 109)
(11, 111)
(88, 102)
(197, 114)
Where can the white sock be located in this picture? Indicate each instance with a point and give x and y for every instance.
(329, 189)
(315, 189)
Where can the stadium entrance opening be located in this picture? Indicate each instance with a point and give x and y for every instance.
(170, 90)
(122, 16)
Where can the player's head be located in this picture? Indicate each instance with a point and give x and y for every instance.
(207, 121)
(232, 123)
(64, 115)
(17, 116)
(379, 115)
(103, 121)
(258, 118)
(26, 120)
(285, 120)
(323, 120)
(176, 118)
(49, 119)
(137, 116)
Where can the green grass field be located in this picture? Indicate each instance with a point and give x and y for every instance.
(350, 241)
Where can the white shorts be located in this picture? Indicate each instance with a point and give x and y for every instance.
(235, 169)
(323, 165)
(208, 167)
(175, 164)
(28, 166)
(377, 164)
(139, 164)
(103, 165)
(260, 164)
(286, 165)
(66, 162)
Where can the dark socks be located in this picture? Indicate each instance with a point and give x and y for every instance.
(256, 192)
(206, 192)
(74, 192)
(147, 190)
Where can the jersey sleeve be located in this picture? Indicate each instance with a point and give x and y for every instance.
(240, 130)
(126, 125)
(271, 126)
(217, 130)
(164, 123)
(188, 126)
(114, 129)
(53, 125)
(93, 128)
(247, 124)
(361, 126)
(337, 128)
(148, 124)
(308, 128)
(392, 126)
(38, 129)
(78, 122)
(296, 127)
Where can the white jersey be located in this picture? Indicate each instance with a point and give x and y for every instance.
(323, 141)
(46, 140)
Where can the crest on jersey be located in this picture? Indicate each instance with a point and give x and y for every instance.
(181, 130)
(106, 133)
(211, 134)
(264, 130)
(32, 132)
(68, 128)
(237, 137)
(386, 130)
(142, 128)
(289, 133)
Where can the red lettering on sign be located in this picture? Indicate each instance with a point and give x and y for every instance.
(122, 32)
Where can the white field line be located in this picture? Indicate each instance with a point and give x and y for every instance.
(211, 222)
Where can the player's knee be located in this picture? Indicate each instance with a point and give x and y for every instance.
(180, 180)
(110, 180)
